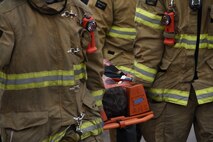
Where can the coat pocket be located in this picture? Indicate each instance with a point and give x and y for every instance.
(23, 120)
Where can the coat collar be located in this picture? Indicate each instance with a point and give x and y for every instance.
(50, 9)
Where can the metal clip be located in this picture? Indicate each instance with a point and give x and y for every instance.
(172, 5)
(68, 14)
(73, 50)
(79, 122)
(76, 87)
(194, 4)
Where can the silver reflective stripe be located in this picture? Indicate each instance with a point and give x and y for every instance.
(148, 19)
(93, 127)
(169, 95)
(144, 72)
(78, 72)
(37, 80)
(126, 69)
(175, 96)
(122, 32)
(42, 78)
(98, 97)
(144, 17)
(203, 96)
(189, 41)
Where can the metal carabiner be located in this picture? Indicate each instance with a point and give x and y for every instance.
(79, 123)
(172, 3)
(172, 6)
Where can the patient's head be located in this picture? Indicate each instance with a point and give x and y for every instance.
(115, 102)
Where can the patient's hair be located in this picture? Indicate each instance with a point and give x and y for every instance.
(115, 102)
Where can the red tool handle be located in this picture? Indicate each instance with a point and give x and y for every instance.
(90, 25)
(170, 28)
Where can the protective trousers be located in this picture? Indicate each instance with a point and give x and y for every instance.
(39, 133)
(172, 123)
(128, 134)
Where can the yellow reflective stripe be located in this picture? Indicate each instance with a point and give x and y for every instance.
(126, 69)
(40, 85)
(42, 79)
(205, 95)
(144, 72)
(89, 128)
(170, 100)
(92, 128)
(120, 32)
(99, 103)
(98, 95)
(2, 80)
(43, 73)
(189, 41)
(169, 95)
(148, 19)
(2, 75)
(56, 137)
(82, 69)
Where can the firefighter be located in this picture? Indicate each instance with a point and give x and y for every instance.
(174, 60)
(47, 77)
(116, 28)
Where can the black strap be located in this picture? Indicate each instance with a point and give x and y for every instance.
(112, 72)
(199, 20)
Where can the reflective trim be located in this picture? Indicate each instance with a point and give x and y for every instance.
(144, 72)
(99, 103)
(169, 95)
(2, 80)
(42, 79)
(126, 69)
(205, 95)
(80, 71)
(98, 95)
(56, 137)
(92, 128)
(125, 33)
(148, 19)
(189, 41)
(89, 128)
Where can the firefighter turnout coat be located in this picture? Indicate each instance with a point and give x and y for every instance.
(171, 70)
(46, 76)
(116, 28)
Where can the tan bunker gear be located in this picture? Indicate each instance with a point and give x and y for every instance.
(46, 77)
(170, 70)
(116, 30)
(179, 76)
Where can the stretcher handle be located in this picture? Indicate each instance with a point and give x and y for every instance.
(124, 123)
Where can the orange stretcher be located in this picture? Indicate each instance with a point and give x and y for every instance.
(138, 109)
